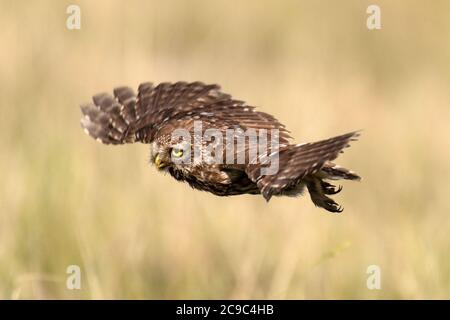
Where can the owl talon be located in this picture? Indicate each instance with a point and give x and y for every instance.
(332, 206)
(330, 189)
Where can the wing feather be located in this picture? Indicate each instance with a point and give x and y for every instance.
(298, 161)
(126, 118)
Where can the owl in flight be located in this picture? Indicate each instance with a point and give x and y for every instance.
(156, 112)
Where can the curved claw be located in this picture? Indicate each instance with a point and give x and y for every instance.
(339, 189)
(330, 189)
(332, 206)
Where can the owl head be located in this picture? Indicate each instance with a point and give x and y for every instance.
(166, 154)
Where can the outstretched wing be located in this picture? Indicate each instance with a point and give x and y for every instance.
(127, 118)
(297, 161)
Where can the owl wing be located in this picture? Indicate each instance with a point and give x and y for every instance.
(126, 117)
(295, 162)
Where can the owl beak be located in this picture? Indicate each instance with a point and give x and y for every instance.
(159, 164)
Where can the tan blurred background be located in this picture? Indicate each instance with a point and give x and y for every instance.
(67, 200)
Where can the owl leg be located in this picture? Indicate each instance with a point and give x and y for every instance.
(317, 190)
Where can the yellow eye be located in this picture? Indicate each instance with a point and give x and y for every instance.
(177, 152)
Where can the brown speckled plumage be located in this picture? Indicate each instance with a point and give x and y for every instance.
(156, 111)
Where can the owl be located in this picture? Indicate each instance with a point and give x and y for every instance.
(201, 135)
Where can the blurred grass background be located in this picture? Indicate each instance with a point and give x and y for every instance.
(65, 199)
